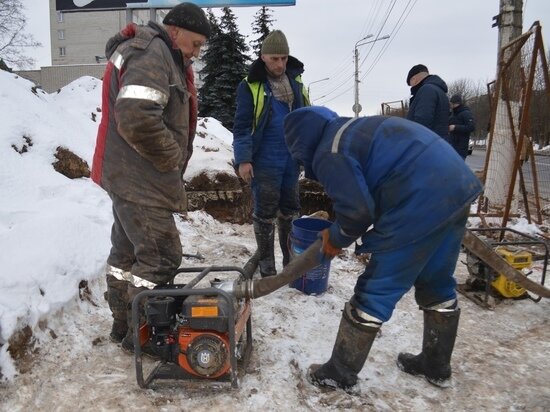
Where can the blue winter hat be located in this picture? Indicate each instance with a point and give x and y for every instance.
(303, 132)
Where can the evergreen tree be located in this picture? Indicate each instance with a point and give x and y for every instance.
(209, 93)
(225, 66)
(263, 21)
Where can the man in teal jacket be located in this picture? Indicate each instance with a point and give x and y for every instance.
(406, 193)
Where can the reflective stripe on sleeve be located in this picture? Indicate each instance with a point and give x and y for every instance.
(338, 135)
(144, 93)
(117, 60)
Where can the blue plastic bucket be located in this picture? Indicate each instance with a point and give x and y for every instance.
(305, 231)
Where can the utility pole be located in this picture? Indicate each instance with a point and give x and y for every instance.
(356, 105)
(509, 22)
(499, 168)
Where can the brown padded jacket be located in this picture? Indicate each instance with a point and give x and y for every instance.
(143, 141)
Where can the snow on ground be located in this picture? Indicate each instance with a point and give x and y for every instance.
(54, 232)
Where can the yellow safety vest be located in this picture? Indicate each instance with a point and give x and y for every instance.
(258, 97)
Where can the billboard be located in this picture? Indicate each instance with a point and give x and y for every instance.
(94, 5)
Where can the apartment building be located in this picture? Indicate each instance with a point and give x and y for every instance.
(80, 37)
(78, 44)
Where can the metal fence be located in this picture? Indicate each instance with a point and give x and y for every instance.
(517, 172)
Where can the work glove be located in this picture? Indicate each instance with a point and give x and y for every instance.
(328, 250)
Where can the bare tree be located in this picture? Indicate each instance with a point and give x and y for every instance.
(464, 87)
(14, 42)
(475, 96)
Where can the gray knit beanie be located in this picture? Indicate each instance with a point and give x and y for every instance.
(275, 43)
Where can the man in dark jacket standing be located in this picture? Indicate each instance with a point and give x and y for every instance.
(429, 104)
(414, 190)
(143, 145)
(272, 89)
(461, 124)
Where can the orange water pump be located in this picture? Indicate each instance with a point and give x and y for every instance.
(197, 333)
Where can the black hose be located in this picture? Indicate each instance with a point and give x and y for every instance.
(302, 263)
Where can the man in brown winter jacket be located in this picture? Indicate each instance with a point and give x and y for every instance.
(143, 145)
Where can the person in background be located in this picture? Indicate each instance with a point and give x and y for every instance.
(272, 89)
(429, 104)
(143, 145)
(461, 124)
(411, 187)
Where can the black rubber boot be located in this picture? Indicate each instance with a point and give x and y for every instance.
(117, 297)
(434, 362)
(265, 236)
(284, 227)
(349, 354)
(127, 343)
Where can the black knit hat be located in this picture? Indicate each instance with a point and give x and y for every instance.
(188, 16)
(456, 98)
(419, 68)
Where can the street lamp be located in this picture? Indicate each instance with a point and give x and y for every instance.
(356, 106)
(316, 81)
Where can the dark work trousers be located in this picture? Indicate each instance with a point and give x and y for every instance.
(145, 241)
(275, 190)
(275, 183)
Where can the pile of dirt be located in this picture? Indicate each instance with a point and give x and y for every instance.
(224, 196)
(313, 198)
(228, 199)
(69, 164)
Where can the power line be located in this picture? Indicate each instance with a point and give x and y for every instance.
(344, 71)
(387, 15)
(393, 35)
(345, 83)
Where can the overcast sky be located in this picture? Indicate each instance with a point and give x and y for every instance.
(453, 38)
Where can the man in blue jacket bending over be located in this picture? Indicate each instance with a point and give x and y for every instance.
(272, 89)
(406, 193)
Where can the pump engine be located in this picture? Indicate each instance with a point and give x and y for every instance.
(198, 333)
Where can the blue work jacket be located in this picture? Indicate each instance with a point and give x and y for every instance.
(388, 172)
